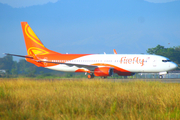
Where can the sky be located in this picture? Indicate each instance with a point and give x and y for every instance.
(91, 26)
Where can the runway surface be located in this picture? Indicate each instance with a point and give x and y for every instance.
(165, 80)
(159, 80)
(126, 80)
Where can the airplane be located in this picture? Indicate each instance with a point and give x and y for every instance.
(99, 65)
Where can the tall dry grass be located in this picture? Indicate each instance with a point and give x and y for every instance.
(88, 99)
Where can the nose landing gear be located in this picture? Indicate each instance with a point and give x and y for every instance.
(160, 77)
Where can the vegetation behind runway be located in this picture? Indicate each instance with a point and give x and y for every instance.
(88, 99)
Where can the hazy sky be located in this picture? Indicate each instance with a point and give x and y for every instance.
(91, 26)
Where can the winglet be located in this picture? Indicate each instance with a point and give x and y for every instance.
(114, 51)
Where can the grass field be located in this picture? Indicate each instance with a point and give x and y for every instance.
(88, 99)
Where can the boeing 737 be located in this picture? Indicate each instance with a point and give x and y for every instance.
(102, 65)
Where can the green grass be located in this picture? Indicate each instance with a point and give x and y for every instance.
(88, 99)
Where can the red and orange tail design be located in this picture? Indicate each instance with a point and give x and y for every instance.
(33, 45)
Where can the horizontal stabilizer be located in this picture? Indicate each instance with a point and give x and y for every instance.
(19, 55)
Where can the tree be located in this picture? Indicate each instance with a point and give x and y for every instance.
(158, 50)
(14, 69)
(6, 62)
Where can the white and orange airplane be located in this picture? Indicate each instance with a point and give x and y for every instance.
(101, 65)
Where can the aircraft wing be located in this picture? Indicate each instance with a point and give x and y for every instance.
(89, 67)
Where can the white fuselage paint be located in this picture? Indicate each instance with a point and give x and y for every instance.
(130, 62)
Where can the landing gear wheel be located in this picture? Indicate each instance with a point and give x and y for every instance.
(90, 76)
(160, 77)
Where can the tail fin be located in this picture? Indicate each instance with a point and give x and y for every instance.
(33, 45)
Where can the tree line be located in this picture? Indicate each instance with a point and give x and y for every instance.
(173, 53)
(23, 68)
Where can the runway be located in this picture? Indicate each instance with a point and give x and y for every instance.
(164, 80)
(159, 80)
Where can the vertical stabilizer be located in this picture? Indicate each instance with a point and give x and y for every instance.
(33, 45)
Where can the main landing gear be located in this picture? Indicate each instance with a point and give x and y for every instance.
(104, 77)
(91, 75)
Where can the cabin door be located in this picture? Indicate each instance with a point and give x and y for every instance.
(154, 63)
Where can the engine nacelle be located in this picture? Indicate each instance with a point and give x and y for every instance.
(103, 71)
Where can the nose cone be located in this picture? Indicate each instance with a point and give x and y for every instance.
(173, 66)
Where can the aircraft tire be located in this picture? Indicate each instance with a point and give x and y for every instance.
(90, 76)
(104, 77)
(160, 77)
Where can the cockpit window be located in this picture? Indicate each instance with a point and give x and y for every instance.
(166, 60)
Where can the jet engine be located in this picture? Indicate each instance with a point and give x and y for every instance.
(103, 71)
